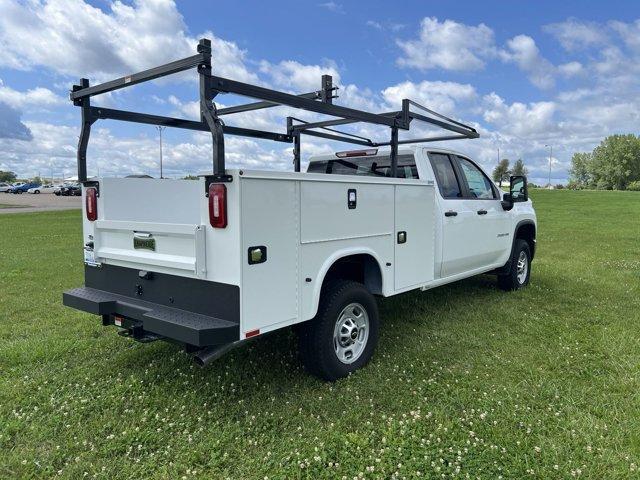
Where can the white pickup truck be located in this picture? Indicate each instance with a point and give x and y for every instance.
(209, 264)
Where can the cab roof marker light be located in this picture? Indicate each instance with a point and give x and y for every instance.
(357, 153)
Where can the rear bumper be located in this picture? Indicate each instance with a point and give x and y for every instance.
(185, 310)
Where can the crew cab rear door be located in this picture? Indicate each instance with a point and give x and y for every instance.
(470, 223)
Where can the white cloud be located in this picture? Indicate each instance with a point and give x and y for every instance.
(629, 32)
(571, 69)
(392, 26)
(333, 7)
(90, 42)
(299, 78)
(574, 34)
(518, 118)
(444, 97)
(36, 97)
(449, 45)
(522, 51)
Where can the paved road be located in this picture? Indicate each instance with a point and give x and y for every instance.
(29, 202)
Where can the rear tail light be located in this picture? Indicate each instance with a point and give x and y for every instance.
(91, 203)
(218, 205)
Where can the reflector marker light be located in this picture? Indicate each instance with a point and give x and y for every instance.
(218, 205)
(91, 203)
(252, 333)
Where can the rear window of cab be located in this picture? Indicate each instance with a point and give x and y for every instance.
(379, 166)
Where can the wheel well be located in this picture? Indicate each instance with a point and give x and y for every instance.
(527, 232)
(361, 268)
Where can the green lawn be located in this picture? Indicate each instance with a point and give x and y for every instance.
(8, 205)
(467, 380)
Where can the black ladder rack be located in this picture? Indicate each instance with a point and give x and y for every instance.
(320, 101)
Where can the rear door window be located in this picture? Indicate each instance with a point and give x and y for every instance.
(445, 175)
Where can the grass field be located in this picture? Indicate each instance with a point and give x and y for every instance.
(467, 380)
(7, 205)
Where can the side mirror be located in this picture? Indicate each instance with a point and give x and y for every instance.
(518, 192)
(518, 189)
(507, 203)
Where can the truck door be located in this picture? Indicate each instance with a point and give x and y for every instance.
(491, 222)
(458, 246)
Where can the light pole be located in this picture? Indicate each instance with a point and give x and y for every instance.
(550, 155)
(160, 128)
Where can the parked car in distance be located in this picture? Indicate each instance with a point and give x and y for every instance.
(72, 190)
(24, 187)
(5, 187)
(42, 189)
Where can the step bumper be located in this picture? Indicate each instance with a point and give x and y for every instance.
(171, 323)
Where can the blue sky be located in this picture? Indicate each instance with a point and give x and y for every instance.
(526, 74)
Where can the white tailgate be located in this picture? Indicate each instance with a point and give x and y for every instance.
(164, 211)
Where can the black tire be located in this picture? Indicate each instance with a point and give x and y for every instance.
(316, 337)
(37, 191)
(513, 280)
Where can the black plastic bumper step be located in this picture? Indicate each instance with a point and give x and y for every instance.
(172, 323)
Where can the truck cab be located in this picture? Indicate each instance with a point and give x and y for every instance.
(469, 205)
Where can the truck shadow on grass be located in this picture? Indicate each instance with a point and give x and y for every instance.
(271, 362)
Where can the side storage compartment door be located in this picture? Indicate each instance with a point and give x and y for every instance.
(414, 235)
(269, 254)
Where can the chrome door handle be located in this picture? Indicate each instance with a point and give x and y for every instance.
(482, 212)
(450, 213)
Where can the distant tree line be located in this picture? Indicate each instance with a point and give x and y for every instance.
(612, 165)
(502, 172)
(8, 177)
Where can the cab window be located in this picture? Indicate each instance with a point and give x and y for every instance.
(445, 175)
(479, 185)
(378, 166)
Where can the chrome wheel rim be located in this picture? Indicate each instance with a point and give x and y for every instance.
(351, 333)
(522, 267)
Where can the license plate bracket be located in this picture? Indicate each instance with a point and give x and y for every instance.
(144, 241)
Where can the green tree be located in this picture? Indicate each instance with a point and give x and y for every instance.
(519, 168)
(7, 176)
(616, 162)
(581, 170)
(501, 172)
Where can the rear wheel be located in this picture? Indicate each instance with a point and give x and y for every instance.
(520, 270)
(343, 335)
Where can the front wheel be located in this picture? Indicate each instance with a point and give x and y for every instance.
(342, 336)
(520, 270)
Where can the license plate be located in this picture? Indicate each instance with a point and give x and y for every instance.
(144, 243)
